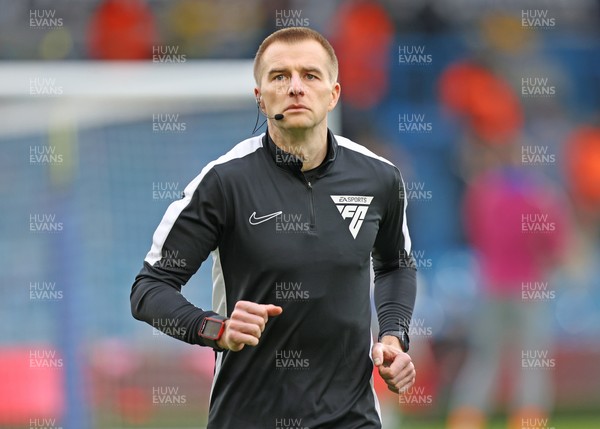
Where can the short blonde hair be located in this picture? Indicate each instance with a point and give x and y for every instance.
(295, 35)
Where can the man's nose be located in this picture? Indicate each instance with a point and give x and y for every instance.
(296, 87)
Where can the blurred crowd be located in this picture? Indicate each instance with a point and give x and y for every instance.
(129, 29)
(492, 112)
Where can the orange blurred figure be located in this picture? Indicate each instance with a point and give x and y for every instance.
(362, 40)
(486, 101)
(121, 30)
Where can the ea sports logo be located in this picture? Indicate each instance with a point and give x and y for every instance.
(352, 207)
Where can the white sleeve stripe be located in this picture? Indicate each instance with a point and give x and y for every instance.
(405, 233)
(242, 149)
(219, 304)
(347, 143)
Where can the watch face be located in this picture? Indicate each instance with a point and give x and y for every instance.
(212, 329)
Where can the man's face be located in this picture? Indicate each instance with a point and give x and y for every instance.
(296, 81)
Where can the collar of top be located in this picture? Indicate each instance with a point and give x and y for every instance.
(293, 162)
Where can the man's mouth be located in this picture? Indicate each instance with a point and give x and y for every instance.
(296, 107)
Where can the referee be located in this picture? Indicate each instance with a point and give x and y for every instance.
(292, 219)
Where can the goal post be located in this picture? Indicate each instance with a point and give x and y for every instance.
(38, 94)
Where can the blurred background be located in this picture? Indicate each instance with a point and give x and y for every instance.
(490, 109)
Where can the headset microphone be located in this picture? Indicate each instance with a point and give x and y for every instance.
(277, 117)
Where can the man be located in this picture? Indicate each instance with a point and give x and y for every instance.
(292, 219)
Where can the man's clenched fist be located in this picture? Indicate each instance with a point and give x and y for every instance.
(395, 366)
(246, 324)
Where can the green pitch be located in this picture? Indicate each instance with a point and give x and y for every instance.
(557, 422)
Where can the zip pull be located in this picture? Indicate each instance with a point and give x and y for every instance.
(308, 183)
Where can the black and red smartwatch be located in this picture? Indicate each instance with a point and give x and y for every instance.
(211, 330)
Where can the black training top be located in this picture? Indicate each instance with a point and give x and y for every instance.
(300, 241)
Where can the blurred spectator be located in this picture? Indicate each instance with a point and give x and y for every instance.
(122, 31)
(362, 39)
(583, 168)
(485, 101)
(516, 224)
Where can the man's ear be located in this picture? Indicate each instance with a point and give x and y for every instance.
(336, 90)
(258, 97)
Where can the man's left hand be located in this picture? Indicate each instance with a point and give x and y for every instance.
(395, 366)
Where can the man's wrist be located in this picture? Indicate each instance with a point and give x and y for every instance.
(390, 340)
(398, 338)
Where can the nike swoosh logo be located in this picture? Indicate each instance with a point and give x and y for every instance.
(256, 220)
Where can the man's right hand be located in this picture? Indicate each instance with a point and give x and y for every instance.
(246, 324)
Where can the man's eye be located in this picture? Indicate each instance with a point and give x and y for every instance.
(279, 77)
(311, 76)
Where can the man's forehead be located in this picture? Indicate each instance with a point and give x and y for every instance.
(282, 53)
